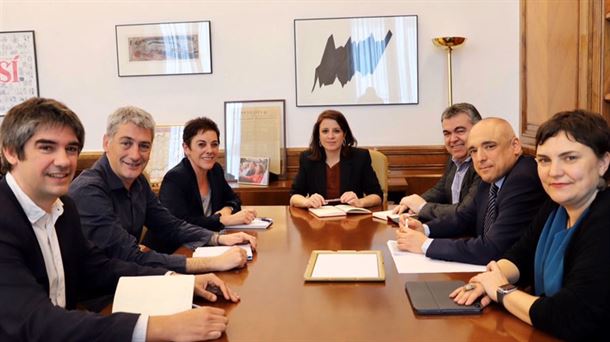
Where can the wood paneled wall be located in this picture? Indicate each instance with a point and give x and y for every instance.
(421, 166)
(564, 60)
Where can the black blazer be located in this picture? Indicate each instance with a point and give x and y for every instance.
(357, 175)
(580, 310)
(439, 197)
(517, 203)
(26, 313)
(180, 194)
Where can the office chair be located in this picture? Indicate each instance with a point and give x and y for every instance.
(379, 162)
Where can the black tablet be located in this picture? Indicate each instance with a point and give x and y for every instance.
(432, 298)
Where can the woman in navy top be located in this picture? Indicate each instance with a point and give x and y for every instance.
(564, 256)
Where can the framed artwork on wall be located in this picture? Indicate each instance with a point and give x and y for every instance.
(18, 69)
(356, 61)
(255, 129)
(164, 49)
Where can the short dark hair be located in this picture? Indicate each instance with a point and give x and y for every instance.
(587, 128)
(459, 108)
(194, 126)
(317, 152)
(23, 121)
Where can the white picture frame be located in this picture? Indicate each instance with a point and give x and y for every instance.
(356, 61)
(177, 48)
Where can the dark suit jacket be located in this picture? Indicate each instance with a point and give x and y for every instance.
(357, 175)
(580, 310)
(439, 197)
(180, 194)
(517, 203)
(26, 312)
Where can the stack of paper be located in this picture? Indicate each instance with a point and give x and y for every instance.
(257, 223)
(154, 295)
(212, 251)
(407, 262)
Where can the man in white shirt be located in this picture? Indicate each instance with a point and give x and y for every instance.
(47, 263)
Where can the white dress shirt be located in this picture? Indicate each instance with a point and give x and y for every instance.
(428, 241)
(43, 224)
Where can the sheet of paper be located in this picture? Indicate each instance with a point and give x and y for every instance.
(407, 262)
(154, 295)
(257, 223)
(346, 265)
(211, 251)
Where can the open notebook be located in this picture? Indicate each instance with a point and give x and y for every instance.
(387, 215)
(337, 210)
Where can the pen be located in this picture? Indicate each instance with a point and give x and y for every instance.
(195, 306)
(266, 219)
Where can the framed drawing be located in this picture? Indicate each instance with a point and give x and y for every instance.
(18, 70)
(254, 170)
(255, 129)
(164, 49)
(356, 61)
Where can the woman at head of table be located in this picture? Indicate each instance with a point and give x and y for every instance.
(195, 190)
(334, 169)
(564, 256)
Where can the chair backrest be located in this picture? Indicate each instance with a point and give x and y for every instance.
(379, 162)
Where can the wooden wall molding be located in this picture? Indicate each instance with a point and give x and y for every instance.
(420, 166)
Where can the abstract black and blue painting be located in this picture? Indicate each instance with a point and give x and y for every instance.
(356, 61)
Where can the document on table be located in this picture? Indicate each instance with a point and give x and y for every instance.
(257, 223)
(212, 251)
(154, 295)
(407, 262)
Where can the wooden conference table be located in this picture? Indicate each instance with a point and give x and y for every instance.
(277, 305)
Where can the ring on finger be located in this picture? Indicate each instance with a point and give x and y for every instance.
(469, 287)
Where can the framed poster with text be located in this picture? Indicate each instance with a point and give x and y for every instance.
(255, 129)
(18, 70)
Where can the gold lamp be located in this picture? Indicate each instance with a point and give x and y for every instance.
(449, 43)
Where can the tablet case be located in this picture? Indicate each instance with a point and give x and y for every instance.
(432, 298)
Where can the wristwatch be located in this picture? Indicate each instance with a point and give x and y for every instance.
(503, 290)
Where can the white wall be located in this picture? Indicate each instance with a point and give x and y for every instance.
(253, 58)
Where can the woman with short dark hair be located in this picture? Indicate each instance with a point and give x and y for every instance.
(565, 254)
(195, 190)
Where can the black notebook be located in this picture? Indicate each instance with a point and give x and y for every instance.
(432, 298)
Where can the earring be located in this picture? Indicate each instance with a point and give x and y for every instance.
(344, 143)
(319, 143)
